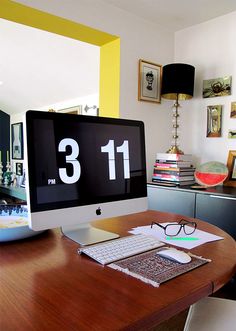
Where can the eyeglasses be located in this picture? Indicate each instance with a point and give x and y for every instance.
(174, 229)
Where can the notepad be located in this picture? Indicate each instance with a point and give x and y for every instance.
(199, 237)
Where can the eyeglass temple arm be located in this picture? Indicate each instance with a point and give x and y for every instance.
(161, 226)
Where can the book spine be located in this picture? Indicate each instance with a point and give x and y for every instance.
(172, 177)
(176, 183)
(165, 168)
(166, 172)
(164, 163)
(180, 169)
(174, 157)
(165, 181)
(173, 172)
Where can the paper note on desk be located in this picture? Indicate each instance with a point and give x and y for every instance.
(198, 238)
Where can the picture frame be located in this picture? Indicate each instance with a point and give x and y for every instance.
(19, 169)
(214, 119)
(231, 164)
(76, 110)
(17, 142)
(232, 134)
(233, 109)
(149, 81)
(217, 87)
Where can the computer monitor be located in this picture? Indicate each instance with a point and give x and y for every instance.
(83, 168)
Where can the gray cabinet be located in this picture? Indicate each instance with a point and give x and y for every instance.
(218, 210)
(215, 205)
(171, 201)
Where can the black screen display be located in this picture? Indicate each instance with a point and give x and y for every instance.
(76, 160)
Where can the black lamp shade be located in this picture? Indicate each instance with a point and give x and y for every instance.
(177, 81)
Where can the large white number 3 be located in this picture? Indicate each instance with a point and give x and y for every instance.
(71, 158)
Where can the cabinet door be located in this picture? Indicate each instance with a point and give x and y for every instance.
(217, 210)
(173, 201)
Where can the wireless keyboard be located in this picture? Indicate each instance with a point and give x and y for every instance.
(121, 248)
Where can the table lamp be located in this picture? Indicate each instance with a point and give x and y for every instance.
(177, 84)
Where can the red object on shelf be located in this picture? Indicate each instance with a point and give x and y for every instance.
(211, 173)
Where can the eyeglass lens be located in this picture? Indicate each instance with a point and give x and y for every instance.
(189, 228)
(174, 229)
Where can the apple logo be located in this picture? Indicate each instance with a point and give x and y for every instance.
(98, 211)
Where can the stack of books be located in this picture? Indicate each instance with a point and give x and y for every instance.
(176, 169)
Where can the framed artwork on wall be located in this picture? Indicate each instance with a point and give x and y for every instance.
(214, 118)
(17, 141)
(232, 134)
(149, 81)
(231, 164)
(19, 169)
(217, 87)
(233, 109)
(77, 110)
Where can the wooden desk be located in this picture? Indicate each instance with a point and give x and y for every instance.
(46, 285)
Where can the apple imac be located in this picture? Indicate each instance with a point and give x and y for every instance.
(83, 168)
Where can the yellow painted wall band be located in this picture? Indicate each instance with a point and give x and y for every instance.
(109, 88)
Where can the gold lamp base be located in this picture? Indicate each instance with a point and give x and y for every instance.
(174, 150)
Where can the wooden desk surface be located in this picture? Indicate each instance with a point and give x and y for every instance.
(46, 285)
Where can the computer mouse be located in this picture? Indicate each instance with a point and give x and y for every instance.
(174, 255)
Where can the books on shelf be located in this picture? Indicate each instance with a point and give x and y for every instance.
(173, 168)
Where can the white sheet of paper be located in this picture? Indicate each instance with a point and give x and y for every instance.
(198, 238)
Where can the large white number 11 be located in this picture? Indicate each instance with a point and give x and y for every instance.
(110, 149)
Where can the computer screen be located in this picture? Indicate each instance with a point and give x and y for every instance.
(83, 168)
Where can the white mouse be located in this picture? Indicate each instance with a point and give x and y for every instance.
(174, 255)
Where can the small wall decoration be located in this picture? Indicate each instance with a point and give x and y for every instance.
(19, 169)
(23, 180)
(90, 110)
(233, 109)
(17, 141)
(232, 134)
(217, 87)
(149, 82)
(214, 117)
(231, 164)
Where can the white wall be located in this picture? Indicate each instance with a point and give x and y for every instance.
(139, 40)
(42, 68)
(211, 48)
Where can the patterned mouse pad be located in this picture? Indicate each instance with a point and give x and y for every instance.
(154, 269)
